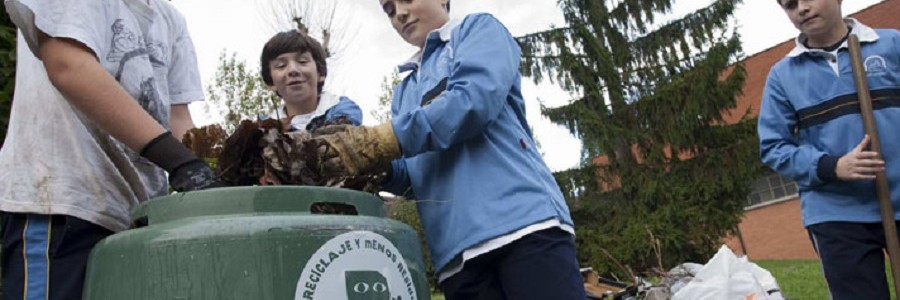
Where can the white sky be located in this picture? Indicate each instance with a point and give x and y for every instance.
(375, 50)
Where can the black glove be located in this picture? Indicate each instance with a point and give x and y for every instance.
(186, 171)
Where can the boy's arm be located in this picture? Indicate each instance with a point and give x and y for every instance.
(75, 72)
(180, 120)
(896, 38)
(346, 108)
(778, 147)
(398, 183)
(484, 69)
(184, 84)
(482, 73)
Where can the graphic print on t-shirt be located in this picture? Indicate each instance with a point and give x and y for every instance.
(127, 46)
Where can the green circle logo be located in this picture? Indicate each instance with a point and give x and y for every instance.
(356, 265)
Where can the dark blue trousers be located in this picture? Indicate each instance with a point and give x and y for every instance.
(45, 256)
(541, 265)
(852, 257)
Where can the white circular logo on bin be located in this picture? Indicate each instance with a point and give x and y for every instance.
(356, 265)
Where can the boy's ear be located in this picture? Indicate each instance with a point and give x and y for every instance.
(273, 88)
(321, 78)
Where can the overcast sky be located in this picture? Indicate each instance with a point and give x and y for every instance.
(374, 50)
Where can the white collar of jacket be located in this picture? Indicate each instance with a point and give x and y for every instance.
(445, 32)
(865, 34)
(326, 102)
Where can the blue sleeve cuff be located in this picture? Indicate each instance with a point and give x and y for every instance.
(397, 181)
(826, 168)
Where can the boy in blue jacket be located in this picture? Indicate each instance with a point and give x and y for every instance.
(294, 66)
(810, 130)
(495, 219)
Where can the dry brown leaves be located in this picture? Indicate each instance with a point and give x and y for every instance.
(261, 152)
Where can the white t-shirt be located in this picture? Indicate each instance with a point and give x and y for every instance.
(54, 160)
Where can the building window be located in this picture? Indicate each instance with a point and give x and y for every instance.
(771, 188)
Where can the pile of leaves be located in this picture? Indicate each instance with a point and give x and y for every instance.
(262, 152)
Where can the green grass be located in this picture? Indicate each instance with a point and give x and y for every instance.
(802, 279)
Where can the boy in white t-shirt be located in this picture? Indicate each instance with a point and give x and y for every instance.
(101, 101)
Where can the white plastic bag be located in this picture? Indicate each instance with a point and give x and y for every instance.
(727, 277)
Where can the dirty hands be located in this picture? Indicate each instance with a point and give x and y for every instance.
(345, 150)
(859, 164)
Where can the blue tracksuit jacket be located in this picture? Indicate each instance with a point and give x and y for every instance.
(469, 155)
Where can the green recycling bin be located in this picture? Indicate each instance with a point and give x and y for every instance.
(274, 242)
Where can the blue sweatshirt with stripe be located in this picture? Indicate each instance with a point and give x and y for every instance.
(810, 117)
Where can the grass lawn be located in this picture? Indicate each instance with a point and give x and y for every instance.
(802, 279)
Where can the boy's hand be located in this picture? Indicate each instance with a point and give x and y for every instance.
(859, 164)
(186, 171)
(192, 176)
(332, 129)
(349, 151)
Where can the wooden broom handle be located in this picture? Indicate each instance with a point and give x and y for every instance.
(882, 190)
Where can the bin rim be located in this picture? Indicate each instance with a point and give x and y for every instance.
(251, 200)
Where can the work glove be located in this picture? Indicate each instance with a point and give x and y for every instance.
(344, 150)
(186, 171)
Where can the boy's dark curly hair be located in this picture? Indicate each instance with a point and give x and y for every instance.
(292, 41)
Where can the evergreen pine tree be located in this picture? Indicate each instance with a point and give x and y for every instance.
(659, 159)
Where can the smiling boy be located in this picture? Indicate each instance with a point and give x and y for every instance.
(294, 66)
